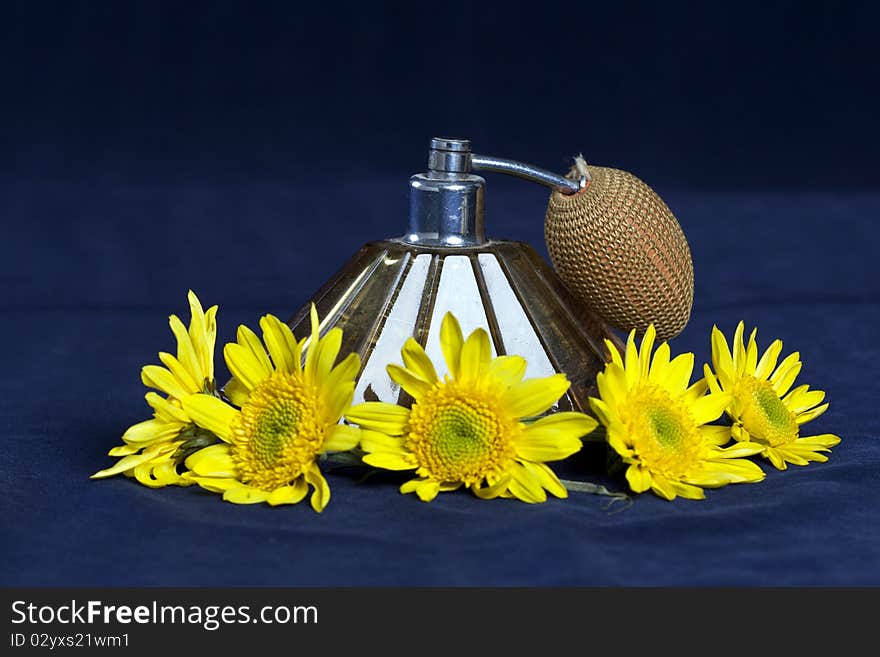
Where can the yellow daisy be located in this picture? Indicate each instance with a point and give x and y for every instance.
(289, 415)
(657, 423)
(468, 429)
(762, 406)
(152, 449)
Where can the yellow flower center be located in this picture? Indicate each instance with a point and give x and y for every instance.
(460, 435)
(278, 432)
(763, 414)
(663, 432)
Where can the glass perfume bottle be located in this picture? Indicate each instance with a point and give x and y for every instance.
(397, 288)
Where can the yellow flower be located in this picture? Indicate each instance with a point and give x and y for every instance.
(761, 406)
(152, 449)
(467, 429)
(657, 424)
(289, 415)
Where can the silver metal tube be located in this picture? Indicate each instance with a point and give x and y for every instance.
(446, 204)
(527, 171)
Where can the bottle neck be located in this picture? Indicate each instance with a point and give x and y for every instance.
(446, 209)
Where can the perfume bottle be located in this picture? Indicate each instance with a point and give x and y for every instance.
(396, 288)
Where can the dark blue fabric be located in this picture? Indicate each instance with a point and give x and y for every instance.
(91, 272)
(150, 147)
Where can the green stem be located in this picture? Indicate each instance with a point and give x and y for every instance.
(342, 459)
(597, 489)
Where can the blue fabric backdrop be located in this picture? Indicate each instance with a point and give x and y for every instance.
(149, 148)
(86, 304)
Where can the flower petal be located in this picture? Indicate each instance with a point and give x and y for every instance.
(451, 343)
(491, 491)
(827, 440)
(203, 334)
(524, 486)
(123, 464)
(184, 378)
(721, 357)
(476, 354)
(280, 342)
(534, 396)
(165, 474)
(725, 471)
(236, 392)
(553, 438)
(740, 433)
(411, 485)
(509, 370)
(414, 385)
(738, 349)
(167, 410)
(768, 360)
(547, 445)
(796, 395)
(154, 376)
(602, 411)
(612, 383)
(376, 441)
(312, 344)
(215, 485)
(711, 380)
(696, 391)
(678, 374)
(124, 450)
(292, 494)
(638, 478)
(613, 353)
(212, 461)
(546, 478)
(659, 363)
(244, 366)
(337, 400)
(379, 416)
(709, 407)
(346, 371)
(144, 474)
(740, 449)
(328, 352)
(787, 363)
(631, 360)
(342, 438)
(577, 425)
(212, 414)
(321, 497)
(427, 490)
(785, 380)
(776, 458)
(391, 460)
(646, 350)
(186, 354)
(803, 418)
(663, 487)
(245, 495)
(416, 361)
(687, 491)
(249, 340)
(619, 443)
(151, 431)
(715, 435)
(751, 360)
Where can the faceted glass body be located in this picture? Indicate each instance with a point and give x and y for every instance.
(391, 290)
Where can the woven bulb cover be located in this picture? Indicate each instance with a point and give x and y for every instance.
(620, 250)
